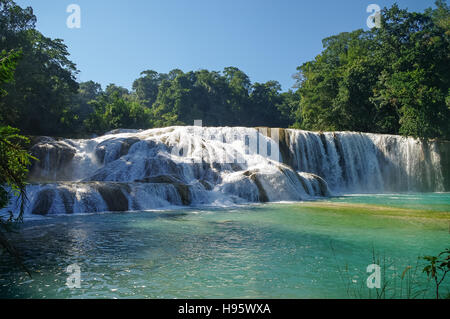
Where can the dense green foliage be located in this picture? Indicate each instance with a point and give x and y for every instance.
(14, 161)
(38, 100)
(393, 79)
(112, 111)
(8, 63)
(178, 98)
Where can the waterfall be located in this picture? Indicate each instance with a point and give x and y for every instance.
(221, 166)
(362, 162)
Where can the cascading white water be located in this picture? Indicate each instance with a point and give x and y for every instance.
(158, 168)
(362, 162)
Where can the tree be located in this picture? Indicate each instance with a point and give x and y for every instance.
(8, 62)
(116, 111)
(414, 49)
(183, 99)
(216, 93)
(113, 89)
(393, 79)
(39, 99)
(264, 101)
(81, 108)
(13, 171)
(147, 86)
(335, 88)
(14, 161)
(240, 86)
(224, 98)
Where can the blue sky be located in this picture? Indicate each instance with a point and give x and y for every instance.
(267, 39)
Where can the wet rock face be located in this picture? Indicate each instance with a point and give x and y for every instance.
(44, 202)
(53, 159)
(110, 150)
(185, 193)
(207, 185)
(50, 198)
(444, 152)
(68, 200)
(166, 179)
(318, 186)
(114, 196)
(253, 176)
(182, 189)
(263, 198)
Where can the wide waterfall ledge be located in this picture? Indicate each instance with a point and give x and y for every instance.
(186, 166)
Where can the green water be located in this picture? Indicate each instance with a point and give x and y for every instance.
(294, 250)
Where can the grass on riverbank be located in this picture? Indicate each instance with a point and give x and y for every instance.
(377, 210)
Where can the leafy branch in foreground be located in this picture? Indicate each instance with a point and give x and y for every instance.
(8, 62)
(437, 268)
(14, 162)
(13, 169)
